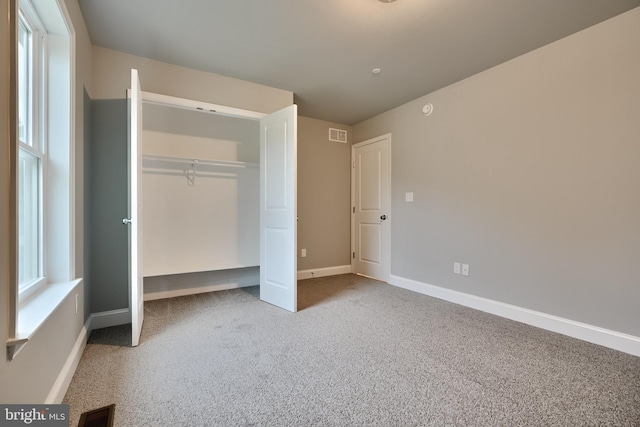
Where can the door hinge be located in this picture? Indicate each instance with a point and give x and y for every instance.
(354, 255)
(354, 165)
(354, 209)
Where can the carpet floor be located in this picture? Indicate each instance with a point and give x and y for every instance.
(357, 353)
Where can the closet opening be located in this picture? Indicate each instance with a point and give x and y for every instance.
(212, 195)
(201, 193)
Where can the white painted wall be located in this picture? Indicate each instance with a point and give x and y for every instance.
(204, 217)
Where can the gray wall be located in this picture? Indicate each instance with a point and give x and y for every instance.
(107, 169)
(86, 214)
(529, 173)
(324, 195)
(112, 74)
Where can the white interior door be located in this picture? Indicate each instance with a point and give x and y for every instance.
(371, 188)
(278, 210)
(136, 300)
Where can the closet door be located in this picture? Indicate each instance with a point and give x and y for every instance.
(136, 302)
(278, 210)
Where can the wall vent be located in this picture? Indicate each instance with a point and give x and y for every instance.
(338, 135)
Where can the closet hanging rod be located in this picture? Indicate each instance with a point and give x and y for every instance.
(204, 107)
(191, 160)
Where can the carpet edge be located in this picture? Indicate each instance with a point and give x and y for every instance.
(594, 334)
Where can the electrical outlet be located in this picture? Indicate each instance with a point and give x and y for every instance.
(303, 253)
(456, 267)
(465, 270)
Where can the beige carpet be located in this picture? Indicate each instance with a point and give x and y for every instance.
(358, 353)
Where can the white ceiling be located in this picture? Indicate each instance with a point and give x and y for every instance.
(324, 50)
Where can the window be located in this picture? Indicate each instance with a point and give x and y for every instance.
(24, 76)
(45, 46)
(31, 153)
(45, 146)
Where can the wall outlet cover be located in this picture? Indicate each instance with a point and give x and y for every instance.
(456, 267)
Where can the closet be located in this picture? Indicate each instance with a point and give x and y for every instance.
(200, 190)
(211, 188)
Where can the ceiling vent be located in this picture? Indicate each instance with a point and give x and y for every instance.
(338, 135)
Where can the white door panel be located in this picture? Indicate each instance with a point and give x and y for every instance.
(278, 210)
(136, 297)
(369, 247)
(369, 162)
(371, 214)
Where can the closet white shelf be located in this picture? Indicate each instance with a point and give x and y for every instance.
(195, 161)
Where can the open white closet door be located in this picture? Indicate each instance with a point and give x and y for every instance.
(278, 210)
(136, 300)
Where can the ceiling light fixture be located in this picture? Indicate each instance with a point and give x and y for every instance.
(386, 1)
(376, 71)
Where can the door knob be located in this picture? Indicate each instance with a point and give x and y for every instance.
(126, 221)
(383, 217)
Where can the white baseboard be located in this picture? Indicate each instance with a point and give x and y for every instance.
(106, 319)
(593, 334)
(60, 386)
(242, 282)
(202, 288)
(323, 272)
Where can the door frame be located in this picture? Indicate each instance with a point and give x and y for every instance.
(386, 251)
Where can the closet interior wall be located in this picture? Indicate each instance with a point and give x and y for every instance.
(200, 199)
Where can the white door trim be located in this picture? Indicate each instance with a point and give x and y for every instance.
(387, 251)
(204, 107)
(136, 299)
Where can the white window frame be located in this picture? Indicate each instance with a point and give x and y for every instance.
(30, 309)
(35, 142)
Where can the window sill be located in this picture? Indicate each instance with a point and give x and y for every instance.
(35, 311)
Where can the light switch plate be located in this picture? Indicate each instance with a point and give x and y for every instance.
(456, 267)
(465, 270)
(408, 196)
